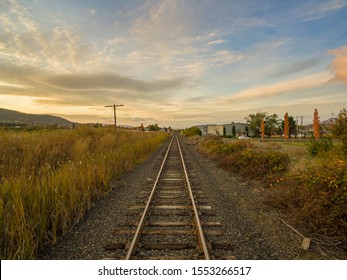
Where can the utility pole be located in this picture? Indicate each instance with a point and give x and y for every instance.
(297, 121)
(114, 106)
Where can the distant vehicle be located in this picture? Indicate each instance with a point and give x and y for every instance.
(242, 137)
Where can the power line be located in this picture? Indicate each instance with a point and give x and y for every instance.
(115, 106)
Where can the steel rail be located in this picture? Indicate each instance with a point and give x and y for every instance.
(196, 214)
(140, 226)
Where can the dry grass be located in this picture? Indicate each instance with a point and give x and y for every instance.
(48, 180)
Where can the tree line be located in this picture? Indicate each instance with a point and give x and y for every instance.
(264, 124)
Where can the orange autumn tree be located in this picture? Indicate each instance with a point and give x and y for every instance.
(286, 126)
(262, 128)
(316, 124)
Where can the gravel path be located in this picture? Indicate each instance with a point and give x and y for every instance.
(246, 222)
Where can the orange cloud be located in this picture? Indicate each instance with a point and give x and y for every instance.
(339, 64)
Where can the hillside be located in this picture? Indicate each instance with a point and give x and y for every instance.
(14, 117)
(324, 124)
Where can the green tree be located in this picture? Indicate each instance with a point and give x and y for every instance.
(192, 131)
(233, 131)
(292, 125)
(271, 124)
(339, 129)
(153, 127)
(254, 121)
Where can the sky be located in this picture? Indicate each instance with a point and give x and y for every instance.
(177, 63)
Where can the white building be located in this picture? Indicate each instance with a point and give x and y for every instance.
(241, 129)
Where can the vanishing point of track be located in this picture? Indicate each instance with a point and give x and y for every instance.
(172, 219)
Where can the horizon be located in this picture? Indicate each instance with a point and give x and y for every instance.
(309, 123)
(176, 63)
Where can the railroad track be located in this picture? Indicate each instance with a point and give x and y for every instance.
(172, 218)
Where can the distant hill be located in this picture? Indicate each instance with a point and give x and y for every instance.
(14, 117)
(325, 123)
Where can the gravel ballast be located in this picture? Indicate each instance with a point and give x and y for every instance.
(247, 224)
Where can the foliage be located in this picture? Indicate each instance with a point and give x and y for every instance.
(242, 158)
(265, 166)
(286, 126)
(153, 127)
(291, 125)
(254, 121)
(311, 191)
(316, 125)
(339, 129)
(262, 128)
(49, 179)
(233, 131)
(314, 195)
(192, 131)
(315, 148)
(271, 124)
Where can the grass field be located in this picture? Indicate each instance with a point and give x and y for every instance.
(292, 148)
(49, 180)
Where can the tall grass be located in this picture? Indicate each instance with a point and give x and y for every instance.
(49, 179)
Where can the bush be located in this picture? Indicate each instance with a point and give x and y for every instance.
(339, 129)
(266, 166)
(242, 158)
(192, 131)
(314, 196)
(319, 147)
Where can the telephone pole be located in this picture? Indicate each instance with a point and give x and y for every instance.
(301, 124)
(114, 106)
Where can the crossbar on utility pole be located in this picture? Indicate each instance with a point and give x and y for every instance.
(114, 106)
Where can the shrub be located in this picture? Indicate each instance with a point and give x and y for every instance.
(314, 196)
(339, 128)
(215, 146)
(266, 166)
(192, 131)
(242, 158)
(319, 147)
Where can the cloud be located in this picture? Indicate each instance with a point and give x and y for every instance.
(112, 81)
(60, 48)
(311, 12)
(23, 15)
(224, 57)
(216, 42)
(6, 23)
(250, 22)
(333, 5)
(297, 67)
(339, 64)
(84, 88)
(11, 85)
(162, 22)
(282, 87)
(92, 12)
